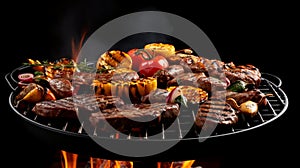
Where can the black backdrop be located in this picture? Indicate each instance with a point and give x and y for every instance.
(260, 34)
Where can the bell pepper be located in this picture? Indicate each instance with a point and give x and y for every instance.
(237, 86)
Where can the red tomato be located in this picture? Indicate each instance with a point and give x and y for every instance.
(150, 67)
(138, 56)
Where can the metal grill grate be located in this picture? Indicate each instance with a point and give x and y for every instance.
(181, 129)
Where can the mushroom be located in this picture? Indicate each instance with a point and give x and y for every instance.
(249, 107)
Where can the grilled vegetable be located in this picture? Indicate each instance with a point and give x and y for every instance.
(237, 86)
(62, 68)
(49, 95)
(162, 49)
(134, 89)
(26, 77)
(114, 59)
(31, 93)
(249, 107)
(36, 65)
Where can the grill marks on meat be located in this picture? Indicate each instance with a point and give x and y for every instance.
(198, 80)
(136, 118)
(63, 108)
(214, 113)
(248, 73)
(70, 106)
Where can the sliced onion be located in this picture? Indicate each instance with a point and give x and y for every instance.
(26, 77)
(173, 95)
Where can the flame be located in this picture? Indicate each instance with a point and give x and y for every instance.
(177, 164)
(187, 164)
(76, 47)
(104, 163)
(70, 161)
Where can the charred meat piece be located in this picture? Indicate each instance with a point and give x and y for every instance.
(61, 87)
(186, 79)
(124, 74)
(197, 64)
(199, 80)
(62, 108)
(70, 107)
(215, 113)
(211, 83)
(215, 68)
(247, 73)
(136, 118)
(175, 70)
(165, 75)
(192, 63)
(92, 103)
(254, 95)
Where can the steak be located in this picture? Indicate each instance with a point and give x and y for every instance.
(136, 119)
(61, 87)
(70, 107)
(215, 113)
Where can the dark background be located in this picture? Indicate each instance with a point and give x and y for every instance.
(261, 34)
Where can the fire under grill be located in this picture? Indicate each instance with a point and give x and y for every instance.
(181, 128)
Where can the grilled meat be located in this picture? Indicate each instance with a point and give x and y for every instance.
(165, 75)
(254, 95)
(186, 79)
(70, 106)
(211, 84)
(61, 87)
(247, 73)
(215, 68)
(62, 108)
(136, 118)
(213, 113)
(198, 80)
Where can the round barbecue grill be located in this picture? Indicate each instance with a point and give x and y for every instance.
(71, 135)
